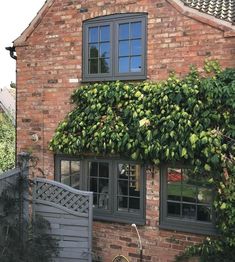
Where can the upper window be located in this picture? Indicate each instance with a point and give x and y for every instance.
(114, 47)
(117, 186)
(186, 201)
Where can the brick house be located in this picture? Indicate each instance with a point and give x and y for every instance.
(71, 42)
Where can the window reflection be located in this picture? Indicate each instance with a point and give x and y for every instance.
(70, 173)
(99, 183)
(128, 191)
(188, 195)
(99, 49)
(130, 49)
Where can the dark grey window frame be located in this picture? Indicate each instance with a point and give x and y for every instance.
(114, 21)
(112, 215)
(178, 224)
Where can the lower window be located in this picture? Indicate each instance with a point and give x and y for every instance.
(186, 201)
(117, 186)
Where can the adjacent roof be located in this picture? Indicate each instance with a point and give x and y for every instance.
(221, 9)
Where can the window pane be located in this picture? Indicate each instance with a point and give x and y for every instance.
(93, 66)
(75, 174)
(123, 65)
(93, 50)
(123, 203)
(204, 195)
(136, 64)
(189, 187)
(174, 184)
(93, 34)
(124, 48)
(65, 167)
(105, 50)
(173, 209)
(136, 48)
(204, 213)
(93, 169)
(93, 185)
(104, 193)
(103, 169)
(124, 31)
(136, 30)
(134, 203)
(189, 211)
(122, 171)
(104, 65)
(104, 33)
(123, 187)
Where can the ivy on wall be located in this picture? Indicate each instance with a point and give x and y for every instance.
(177, 120)
(167, 121)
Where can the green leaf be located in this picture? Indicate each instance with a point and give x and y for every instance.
(207, 167)
(193, 139)
(183, 152)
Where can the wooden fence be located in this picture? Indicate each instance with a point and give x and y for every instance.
(68, 210)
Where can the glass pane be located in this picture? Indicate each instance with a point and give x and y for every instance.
(75, 181)
(189, 211)
(173, 209)
(93, 50)
(105, 50)
(93, 185)
(123, 65)
(204, 213)
(93, 66)
(122, 203)
(136, 30)
(93, 169)
(64, 165)
(134, 203)
(123, 187)
(136, 48)
(124, 31)
(124, 48)
(65, 179)
(75, 167)
(174, 184)
(95, 199)
(174, 192)
(104, 186)
(122, 171)
(93, 34)
(204, 195)
(104, 33)
(103, 169)
(104, 193)
(104, 65)
(189, 189)
(136, 64)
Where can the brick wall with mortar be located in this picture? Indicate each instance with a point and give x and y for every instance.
(51, 56)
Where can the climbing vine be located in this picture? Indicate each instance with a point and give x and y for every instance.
(173, 120)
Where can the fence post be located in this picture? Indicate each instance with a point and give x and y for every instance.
(23, 184)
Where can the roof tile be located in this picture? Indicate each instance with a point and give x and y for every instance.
(221, 9)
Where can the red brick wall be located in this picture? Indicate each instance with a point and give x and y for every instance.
(52, 54)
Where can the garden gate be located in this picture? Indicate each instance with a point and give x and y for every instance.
(69, 212)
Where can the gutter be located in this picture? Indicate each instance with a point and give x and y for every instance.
(12, 50)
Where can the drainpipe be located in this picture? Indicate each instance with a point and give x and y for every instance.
(12, 50)
(140, 243)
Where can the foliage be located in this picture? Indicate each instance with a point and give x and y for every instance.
(7, 143)
(176, 120)
(22, 239)
(168, 121)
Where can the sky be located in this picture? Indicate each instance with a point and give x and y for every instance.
(15, 16)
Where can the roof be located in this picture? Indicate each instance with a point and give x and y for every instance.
(221, 9)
